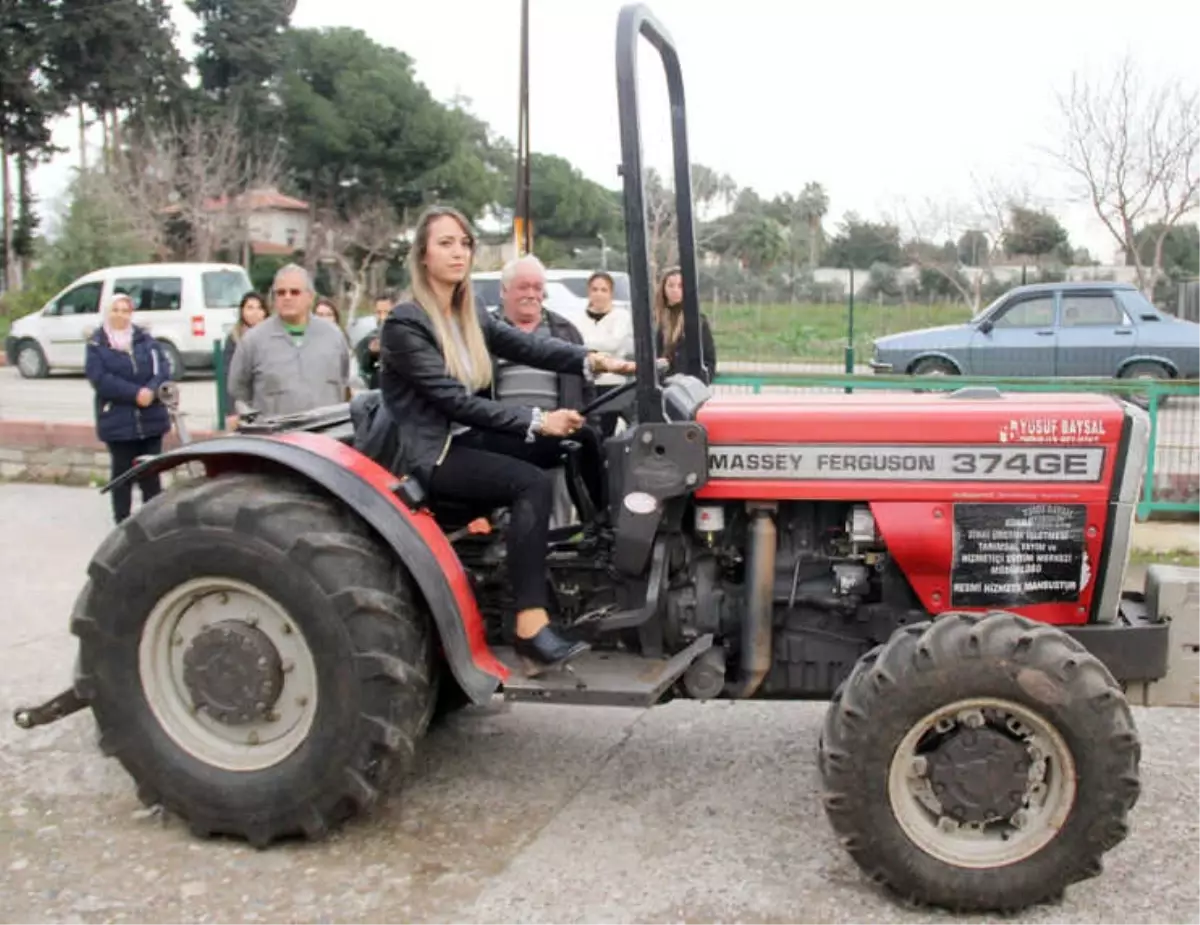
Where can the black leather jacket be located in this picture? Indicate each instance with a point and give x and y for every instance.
(423, 399)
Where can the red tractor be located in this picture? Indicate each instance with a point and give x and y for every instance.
(263, 647)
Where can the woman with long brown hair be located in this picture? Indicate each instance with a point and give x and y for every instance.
(254, 308)
(436, 367)
(670, 339)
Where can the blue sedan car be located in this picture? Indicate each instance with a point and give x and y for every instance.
(1053, 329)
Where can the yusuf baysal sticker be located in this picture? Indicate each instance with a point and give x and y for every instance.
(1053, 430)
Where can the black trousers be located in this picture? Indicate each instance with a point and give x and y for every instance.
(495, 470)
(123, 453)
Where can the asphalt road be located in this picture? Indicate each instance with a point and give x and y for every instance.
(685, 813)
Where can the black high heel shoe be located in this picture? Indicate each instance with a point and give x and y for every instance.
(546, 649)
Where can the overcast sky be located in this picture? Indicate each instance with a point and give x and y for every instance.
(879, 102)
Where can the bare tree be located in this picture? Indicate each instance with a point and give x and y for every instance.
(197, 175)
(1135, 153)
(662, 238)
(356, 247)
(932, 232)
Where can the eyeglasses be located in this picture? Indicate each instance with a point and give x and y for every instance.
(291, 292)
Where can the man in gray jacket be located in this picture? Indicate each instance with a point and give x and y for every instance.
(293, 361)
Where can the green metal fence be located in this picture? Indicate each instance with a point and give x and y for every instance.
(1172, 482)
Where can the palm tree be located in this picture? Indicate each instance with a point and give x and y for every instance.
(813, 204)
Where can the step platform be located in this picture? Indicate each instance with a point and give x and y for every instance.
(602, 678)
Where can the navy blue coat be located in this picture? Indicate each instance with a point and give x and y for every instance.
(116, 377)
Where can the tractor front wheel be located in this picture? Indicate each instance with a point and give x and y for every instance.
(254, 657)
(979, 763)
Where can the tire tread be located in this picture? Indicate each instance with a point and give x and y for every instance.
(938, 646)
(386, 620)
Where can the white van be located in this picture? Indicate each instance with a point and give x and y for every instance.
(186, 306)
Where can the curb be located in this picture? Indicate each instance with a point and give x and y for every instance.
(60, 453)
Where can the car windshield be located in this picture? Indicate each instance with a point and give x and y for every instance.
(983, 311)
(224, 288)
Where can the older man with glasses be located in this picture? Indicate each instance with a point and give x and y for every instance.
(293, 361)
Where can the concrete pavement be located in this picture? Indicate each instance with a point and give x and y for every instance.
(688, 812)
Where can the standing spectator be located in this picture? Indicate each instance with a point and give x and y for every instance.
(126, 367)
(670, 339)
(607, 331)
(252, 310)
(291, 362)
(326, 308)
(368, 347)
(522, 291)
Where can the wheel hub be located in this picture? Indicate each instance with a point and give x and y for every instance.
(979, 775)
(234, 672)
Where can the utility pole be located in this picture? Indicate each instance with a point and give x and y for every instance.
(522, 228)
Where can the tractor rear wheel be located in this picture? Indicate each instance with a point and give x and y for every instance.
(254, 657)
(979, 762)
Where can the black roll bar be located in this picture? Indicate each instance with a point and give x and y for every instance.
(636, 20)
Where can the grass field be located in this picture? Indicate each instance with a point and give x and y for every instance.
(813, 332)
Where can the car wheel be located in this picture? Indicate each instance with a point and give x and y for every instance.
(31, 360)
(174, 360)
(932, 366)
(1145, 370)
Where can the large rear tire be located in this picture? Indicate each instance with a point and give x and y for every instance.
(979, 763)
(254, 657)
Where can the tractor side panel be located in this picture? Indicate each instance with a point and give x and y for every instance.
(955, 556)
(367, 488)
(983, 503)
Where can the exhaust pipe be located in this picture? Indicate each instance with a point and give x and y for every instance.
(757, 652)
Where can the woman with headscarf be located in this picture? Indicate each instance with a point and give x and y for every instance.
(126, 368)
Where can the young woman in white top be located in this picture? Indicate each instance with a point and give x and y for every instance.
(609, 332)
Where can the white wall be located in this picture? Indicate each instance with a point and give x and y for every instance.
(280, 227)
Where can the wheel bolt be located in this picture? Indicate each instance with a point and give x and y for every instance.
(972, 718)
(947, 825)
(288, 665)
(920, 766)
(1019, 819)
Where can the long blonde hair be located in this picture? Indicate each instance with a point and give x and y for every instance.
(462, 304)
(669, 318)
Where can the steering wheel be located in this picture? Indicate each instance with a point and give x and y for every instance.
(618, 396)
(610, 400)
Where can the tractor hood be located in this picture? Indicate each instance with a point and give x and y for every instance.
(891, 418)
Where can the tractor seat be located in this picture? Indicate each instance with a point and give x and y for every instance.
(376, 436)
